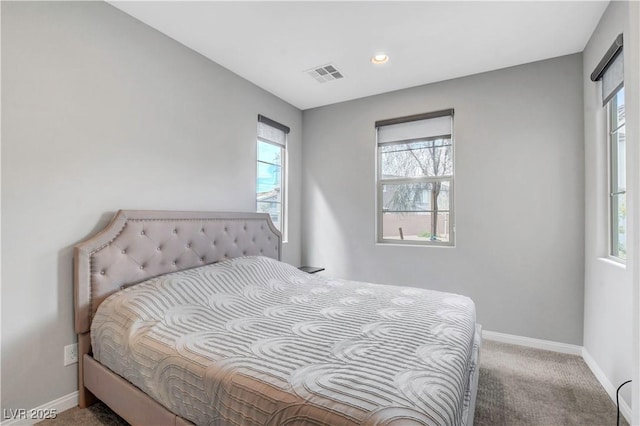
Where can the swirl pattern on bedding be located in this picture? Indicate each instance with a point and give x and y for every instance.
(254, 341)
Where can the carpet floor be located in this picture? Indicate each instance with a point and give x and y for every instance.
(517, 386)
(525, 386)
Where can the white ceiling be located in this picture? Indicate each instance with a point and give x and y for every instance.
(272, 43)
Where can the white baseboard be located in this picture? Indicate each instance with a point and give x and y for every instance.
(546, 345)
(56, 406)
(606, 384)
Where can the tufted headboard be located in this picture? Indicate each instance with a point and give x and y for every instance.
(137, 245)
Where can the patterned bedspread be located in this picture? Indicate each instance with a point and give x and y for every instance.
(253, 341)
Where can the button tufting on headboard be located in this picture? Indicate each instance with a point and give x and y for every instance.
(138, 245)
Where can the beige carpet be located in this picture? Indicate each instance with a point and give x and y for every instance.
(517, 386)
(524, 386)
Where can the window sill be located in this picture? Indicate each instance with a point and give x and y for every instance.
(613, 262)
(449, 246)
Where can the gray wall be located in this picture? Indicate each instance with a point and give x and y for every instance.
(519, 196)
(101, 112)
(608, 316)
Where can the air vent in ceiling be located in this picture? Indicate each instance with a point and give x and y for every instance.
(325, 73)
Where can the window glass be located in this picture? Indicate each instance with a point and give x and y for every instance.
(270, 173)
(618, 176)
(420, 158)
(412, 212)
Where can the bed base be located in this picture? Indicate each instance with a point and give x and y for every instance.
(129, 402)
(98, 383)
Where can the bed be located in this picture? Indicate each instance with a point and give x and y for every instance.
(191, 318)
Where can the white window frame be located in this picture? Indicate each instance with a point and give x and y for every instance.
(280, 141)
(380, 182)
(610, 73)
(613, 170)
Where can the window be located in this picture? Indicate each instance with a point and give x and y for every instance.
(617, 176)
(271, 171)
(415, 179)
(610, 71)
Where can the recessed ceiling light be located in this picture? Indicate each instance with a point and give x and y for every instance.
(379, 58)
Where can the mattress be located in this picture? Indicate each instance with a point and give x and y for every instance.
(254, 341)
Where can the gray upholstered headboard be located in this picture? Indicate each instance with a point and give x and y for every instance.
(139, 244)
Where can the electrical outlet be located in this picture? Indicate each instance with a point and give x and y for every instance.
(71, 354)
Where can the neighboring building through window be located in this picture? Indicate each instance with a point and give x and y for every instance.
(415, 179)
(617, 176)
(271, 171)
